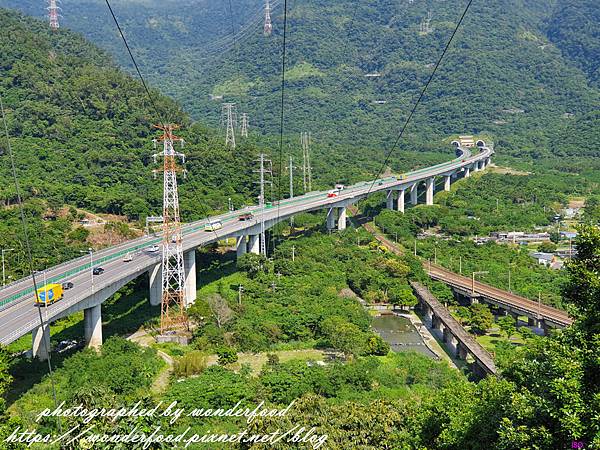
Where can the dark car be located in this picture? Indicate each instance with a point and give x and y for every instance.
(245, 217)
(67, 285)
(98, 271)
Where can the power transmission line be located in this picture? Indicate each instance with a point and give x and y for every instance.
(24, 225)
(135, 64)
(282, 115)
(408, 119)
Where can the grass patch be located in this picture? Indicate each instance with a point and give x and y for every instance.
(493, 338)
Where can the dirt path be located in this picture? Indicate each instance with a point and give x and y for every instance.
(161, 382)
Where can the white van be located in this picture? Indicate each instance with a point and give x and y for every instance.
(213, 226)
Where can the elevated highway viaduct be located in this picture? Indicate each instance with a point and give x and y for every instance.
(19, 316)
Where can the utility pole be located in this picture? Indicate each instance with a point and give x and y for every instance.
(305, 139)
(172, 312)
(268, 28)
(415, 247)
(240, 290)
(228, 115)
(53, 14)
(4, 250)
(293, 253)
(291, 169)
(244, 126)
(261, 200)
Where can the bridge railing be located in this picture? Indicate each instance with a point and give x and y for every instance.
(189, 228)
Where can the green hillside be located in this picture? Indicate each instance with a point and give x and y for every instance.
(82, 131)
(510, 73)
(573, 28)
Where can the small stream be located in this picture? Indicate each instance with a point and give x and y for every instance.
(401, 334)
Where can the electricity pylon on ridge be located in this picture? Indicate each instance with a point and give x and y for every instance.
(53, 14)
(268, 28)
(172, 314)
(261, 198)
(425, 27)
(305, 139)
(244, 126)
(229, 116)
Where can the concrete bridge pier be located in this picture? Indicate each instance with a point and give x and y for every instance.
(241, 245)
(189, 264)
(342, 218)
(389, 199)
(414, 194)
(461, 352)
(155, 276)
(544, 326)
(453, 342)
(516, 317)
(447, 336)
(447, 182)
(92, 326)
(39, 348)
(436, 324)
(429, 186)
(467, 172)
(331, 218)
(400, 201)
(254, 243)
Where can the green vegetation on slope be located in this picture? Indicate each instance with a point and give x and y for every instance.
(503, 77)
(302, 301)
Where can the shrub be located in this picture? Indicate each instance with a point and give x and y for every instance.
(192, 363)
(227, 355)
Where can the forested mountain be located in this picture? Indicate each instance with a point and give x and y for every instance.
(82, 130)
(523, 72)
(82, 134)
(573, 28)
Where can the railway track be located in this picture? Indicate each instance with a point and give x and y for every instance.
(500, 296)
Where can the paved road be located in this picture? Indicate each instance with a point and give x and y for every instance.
(18, 316)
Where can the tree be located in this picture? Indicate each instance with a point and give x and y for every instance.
(508, 325)
(227, 355)
(583, 287)
(344, 336)
(401, 294)
(464, 315)
(481, 318)
(377, 346)
(253, 264)
(220, 309)
(547, 247)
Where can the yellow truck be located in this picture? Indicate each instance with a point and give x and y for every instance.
(49, 294)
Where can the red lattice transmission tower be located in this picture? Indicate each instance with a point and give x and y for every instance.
(172, 314)
(53, 14)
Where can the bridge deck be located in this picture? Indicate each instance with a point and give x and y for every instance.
(500, 296)
(479, 353)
